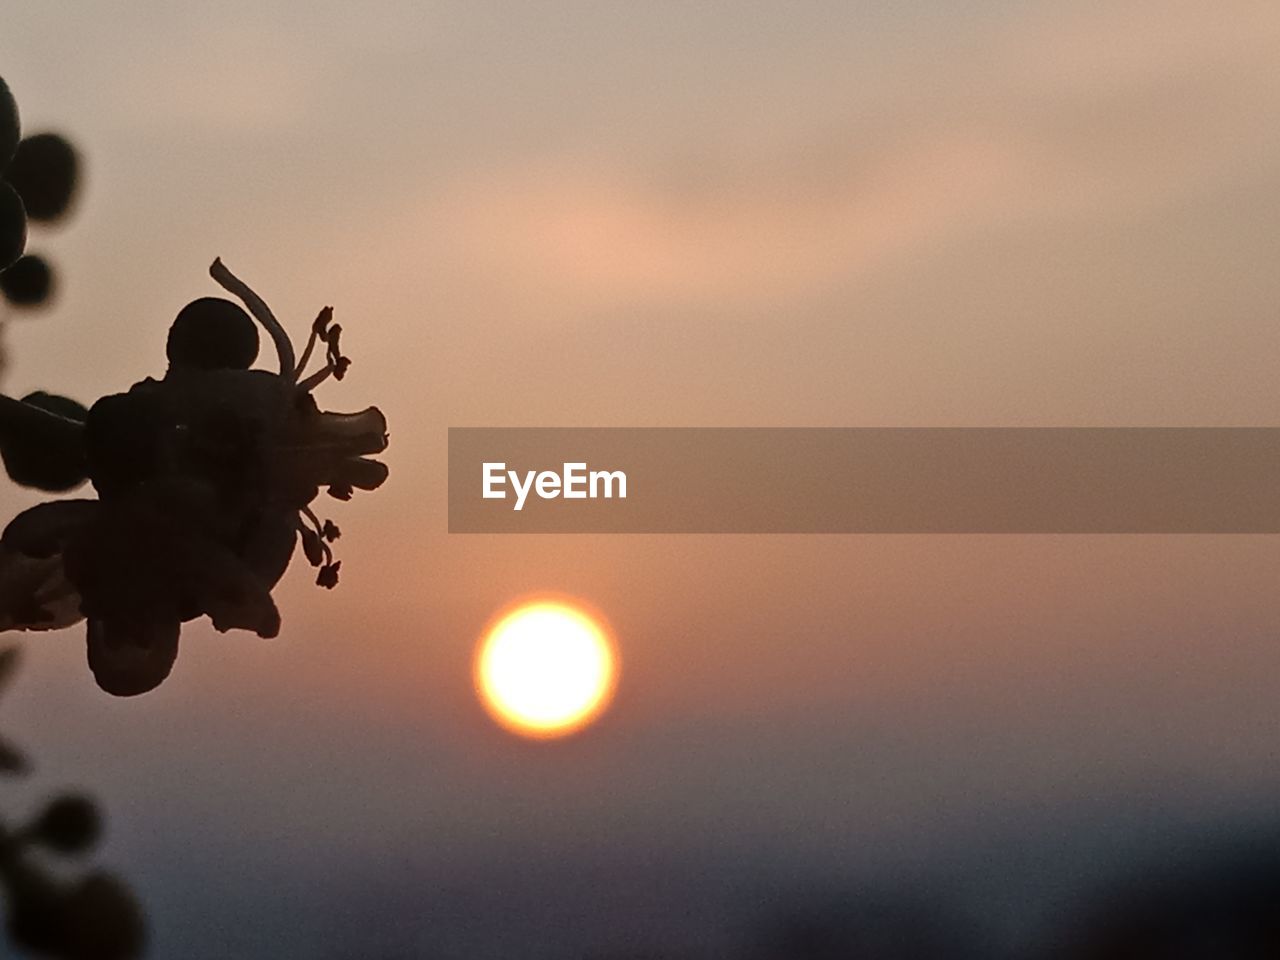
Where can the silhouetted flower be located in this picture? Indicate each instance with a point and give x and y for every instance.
(204, 481)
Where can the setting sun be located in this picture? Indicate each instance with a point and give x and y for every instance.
(545, 669)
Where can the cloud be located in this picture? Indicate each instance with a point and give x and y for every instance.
(1090, 115)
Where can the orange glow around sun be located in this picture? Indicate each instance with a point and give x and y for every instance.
(546, 669)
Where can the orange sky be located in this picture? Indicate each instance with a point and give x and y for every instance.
(758, 214)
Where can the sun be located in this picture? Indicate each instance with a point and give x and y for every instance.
(546, 669)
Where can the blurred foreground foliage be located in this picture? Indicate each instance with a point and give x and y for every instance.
(48, 912)
(52, 909)
(204, 479)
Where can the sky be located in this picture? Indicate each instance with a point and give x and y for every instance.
(672, 214)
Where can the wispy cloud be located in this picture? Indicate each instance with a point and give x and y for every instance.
(1089, 114)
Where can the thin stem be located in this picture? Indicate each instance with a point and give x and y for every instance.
(233, 284)
(317, 378)
(319, 327)
(306, 354)
(311, 516)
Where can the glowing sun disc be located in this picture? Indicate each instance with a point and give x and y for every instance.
(545, 669)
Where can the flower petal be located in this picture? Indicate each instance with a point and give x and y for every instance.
(128, 659)
(43, 530)
(42, 441)
(35, 591)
